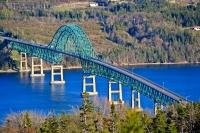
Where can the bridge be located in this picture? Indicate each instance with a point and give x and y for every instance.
(71, 40)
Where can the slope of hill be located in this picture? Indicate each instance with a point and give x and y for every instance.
(132, 32)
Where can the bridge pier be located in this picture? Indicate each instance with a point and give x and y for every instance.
(92, 84)
(57, 70)
(23, 62)
(36, 66)
(112, 91)
(135, 102)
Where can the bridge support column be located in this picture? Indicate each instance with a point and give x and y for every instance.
(57, 70)
(36, 67)
(92, 84)
(113, 91)
(135, 103)
(23, 62)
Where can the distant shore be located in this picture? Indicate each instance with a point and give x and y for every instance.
(147, 64)
(45, 69)
(121, 65)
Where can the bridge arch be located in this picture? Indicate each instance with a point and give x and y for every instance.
(71, 38)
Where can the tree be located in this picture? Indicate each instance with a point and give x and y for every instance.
(87, 115)
(113, 115)
(51, 125)
(171, 123)
(159, 122)
(135, 122)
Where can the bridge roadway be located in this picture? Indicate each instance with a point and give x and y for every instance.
(123, 71)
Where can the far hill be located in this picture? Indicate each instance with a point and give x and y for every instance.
(123, 32)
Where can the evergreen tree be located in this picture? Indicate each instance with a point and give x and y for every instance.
(159, 122)
(87, 115)
(171, 125)
(51, 125)
(135, 122)
(181, 118)
(113, 115)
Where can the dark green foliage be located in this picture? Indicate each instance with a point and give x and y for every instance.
(197, 118)
(131, 25)
(174, 119)
(50, 125)
(135, 122)
(60, 124)
(159, 123)
(177, 118)
(87, 115)
(112, 123)
(171, 124)
(27, 121)
(6, 62)
(6, 13)
(186, 16)
(182, 38)
(75, 14)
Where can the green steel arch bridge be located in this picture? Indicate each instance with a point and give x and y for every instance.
(71, 40)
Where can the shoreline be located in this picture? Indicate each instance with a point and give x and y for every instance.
(121, 65)
(149, 64)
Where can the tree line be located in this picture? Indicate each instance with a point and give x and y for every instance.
(111, 118)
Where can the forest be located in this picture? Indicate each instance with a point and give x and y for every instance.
(142, 31)
(93, 117)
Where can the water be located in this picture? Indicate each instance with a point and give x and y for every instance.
(19, 92)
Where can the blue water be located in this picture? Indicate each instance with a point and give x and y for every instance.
(19, 92)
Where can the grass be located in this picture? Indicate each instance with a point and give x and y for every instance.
(42, 30)
(98, 38)
(32, 29)
(70, 6)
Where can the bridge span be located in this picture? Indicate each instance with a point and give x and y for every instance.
(71, 40)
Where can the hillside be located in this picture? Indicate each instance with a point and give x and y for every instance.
(131, 32)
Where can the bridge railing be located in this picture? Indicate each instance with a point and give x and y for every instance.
(138, 77)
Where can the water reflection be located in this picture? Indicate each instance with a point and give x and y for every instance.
(37, 80)
(58, 92)
(37, 83)
(24, 77)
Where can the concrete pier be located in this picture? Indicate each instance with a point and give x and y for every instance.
(135, 102)
(23, 62)
(117, 91)
(87, 84)
(57, 70)
(36, 67)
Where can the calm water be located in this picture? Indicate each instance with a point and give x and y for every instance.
(19, 92)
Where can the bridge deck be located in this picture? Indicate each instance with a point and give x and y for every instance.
(143, 80)
(110, 66)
